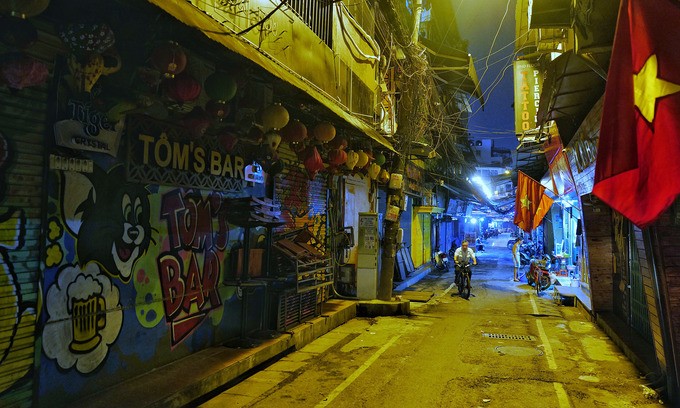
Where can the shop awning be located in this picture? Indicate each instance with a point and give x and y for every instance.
(571, 87)
(190, 15)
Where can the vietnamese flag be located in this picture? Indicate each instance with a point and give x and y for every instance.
(531, 203)
(637, 171)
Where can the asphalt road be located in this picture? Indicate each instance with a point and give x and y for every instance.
(504, 347)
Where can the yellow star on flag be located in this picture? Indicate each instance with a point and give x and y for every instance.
(525, 202)
(649, 87)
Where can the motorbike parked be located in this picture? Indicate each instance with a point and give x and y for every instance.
(441, 260)
(539, 273)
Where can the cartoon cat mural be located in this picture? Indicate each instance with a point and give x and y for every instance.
(109, 217)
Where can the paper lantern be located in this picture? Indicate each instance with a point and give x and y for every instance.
(169, 58)
(363, 159)
(217, 110)
(88, 38)
(313, 163)
(272, 139)
(17, 32)
(182, 88)
(294, 131)
(275, 117)
(228, 141)
(383, 176)
(373, 171)
(19, 71)
(379, 159)
(23, 8)
(196, 121)
(338, 143)
(324, 132)
(220, 86)
(352, 158)
(337, 157)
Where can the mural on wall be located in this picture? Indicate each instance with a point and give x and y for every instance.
(18, 316)
(189, 266)
(300, 203)
(108, 223)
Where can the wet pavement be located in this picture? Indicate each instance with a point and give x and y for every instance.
(504, 347)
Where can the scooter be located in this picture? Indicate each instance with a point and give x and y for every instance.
(441, 260)
(539, 274)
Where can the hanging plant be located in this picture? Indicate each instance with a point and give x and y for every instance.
(169, 58)
(313, 163)
(19, 71)
(275, 117)
(23, 8)
(182, 88)
(87, 38)
(294, 131)
(17, 32)
(324, 132)
(220, 86)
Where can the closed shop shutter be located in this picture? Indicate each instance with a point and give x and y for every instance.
(303, 201)
(23, 129)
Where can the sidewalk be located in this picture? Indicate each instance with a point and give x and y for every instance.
(187, 379)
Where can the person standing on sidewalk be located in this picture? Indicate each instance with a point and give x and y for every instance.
(516, 258)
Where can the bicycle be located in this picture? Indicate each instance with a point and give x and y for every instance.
(463, 280)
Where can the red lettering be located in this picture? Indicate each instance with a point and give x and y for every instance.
(211, 275)
(170, 209)
(193, 291)
(172, 284)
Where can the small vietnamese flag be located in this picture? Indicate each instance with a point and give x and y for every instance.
(531, 203)
(637, 171)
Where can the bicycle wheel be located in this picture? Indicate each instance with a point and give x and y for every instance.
(465, 290)
(461, 279)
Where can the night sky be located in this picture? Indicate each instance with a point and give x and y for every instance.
(479, 22)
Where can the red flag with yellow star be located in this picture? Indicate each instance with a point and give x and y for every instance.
(637, 170)
(531, 203)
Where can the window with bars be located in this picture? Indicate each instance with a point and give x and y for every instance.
(318, 15)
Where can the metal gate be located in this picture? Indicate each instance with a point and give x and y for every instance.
(639, 315)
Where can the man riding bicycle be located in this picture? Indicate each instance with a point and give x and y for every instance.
(462, 257)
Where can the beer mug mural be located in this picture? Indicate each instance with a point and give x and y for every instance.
(89, 318)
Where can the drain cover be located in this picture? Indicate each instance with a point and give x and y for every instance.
(508, 336)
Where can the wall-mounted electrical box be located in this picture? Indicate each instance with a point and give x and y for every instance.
(368, 250)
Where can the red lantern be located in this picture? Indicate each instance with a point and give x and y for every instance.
(182, 88)
(294, 131)
(337, 157)
(313, 162)
(23, 8)
(338, 143)
(196, 121)
(19, 71)
(169, 58)
(324, 132)
(228, 141)
(218, 110)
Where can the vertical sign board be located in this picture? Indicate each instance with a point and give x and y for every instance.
(528, 83)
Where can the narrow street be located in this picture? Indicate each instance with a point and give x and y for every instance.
(504, 347)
